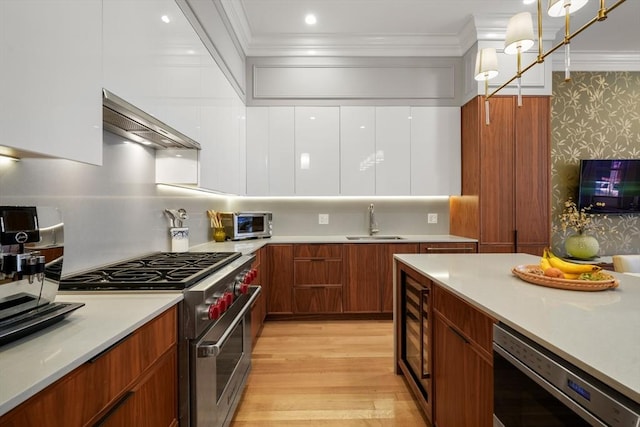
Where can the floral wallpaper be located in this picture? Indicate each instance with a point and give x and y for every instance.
(595, 115)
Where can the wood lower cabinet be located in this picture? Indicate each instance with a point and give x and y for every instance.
(369, 275)
(279, 286)
(132, 383)
(506, 189)
(463, 363)
(259, 307)
(317, 278)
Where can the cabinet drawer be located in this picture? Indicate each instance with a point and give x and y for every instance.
(320, 299)
(308, 272)
(81, 395)
(448, 248)
(474, 324)
(318, 251)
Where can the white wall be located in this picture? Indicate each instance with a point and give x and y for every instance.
(116, 211)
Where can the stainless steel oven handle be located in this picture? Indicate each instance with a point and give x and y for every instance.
(208, 349)
(548, 387)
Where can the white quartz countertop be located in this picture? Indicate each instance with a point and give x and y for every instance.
(32, 363)
(249, 246)
(597, 331)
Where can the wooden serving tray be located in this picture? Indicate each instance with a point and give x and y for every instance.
(534, 274)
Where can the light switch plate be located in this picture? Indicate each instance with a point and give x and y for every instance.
(323, 219)
(432, 218)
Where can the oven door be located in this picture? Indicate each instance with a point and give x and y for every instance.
(525, 400)
(220, 363)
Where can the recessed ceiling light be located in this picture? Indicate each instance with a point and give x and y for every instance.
(165, 19)
(528, 1)
(310, 19)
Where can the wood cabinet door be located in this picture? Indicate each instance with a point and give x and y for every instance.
(463, 380)
(532, 178)
(385, 270)
(497, 174)
(362, 278)
(279, 284)
(153, 402)
(317, 299)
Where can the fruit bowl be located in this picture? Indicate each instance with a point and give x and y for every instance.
(534, 274)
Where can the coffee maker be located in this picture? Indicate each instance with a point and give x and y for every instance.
(31, 255)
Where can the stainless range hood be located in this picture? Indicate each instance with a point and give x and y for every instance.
(128, 121)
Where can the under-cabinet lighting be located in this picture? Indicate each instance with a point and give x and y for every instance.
(8, 159)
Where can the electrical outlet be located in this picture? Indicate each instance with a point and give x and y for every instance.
(323, 219)
(432, 218)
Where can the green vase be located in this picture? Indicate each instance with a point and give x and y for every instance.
(581, 246)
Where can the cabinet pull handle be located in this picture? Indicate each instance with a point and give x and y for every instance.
(95, 358)
(430, 249)
(424, 325)
(114, 408)
(459, 334)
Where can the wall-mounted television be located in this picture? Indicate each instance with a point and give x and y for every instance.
(610, 186)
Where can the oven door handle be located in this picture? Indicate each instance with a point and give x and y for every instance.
(212, 349)
(568, 402)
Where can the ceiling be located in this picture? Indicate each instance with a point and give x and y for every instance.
(413, 27)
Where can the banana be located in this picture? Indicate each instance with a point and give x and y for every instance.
(544, 263)
(570, 267)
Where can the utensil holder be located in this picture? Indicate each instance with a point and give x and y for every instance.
(179, 239)
(219, 235)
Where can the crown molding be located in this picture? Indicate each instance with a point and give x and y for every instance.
(597, 61)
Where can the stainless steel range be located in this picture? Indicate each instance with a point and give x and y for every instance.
(215, 324)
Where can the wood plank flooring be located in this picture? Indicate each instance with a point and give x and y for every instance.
(326, 373)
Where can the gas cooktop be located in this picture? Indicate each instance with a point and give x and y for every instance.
(156, 271)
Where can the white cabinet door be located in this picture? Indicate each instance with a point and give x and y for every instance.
(393, 151)
(270, 151)
(50, 78)
(317, 136)
(357, 151)
(281, 165)
(153, 59)
(257, 151)
(435, 151)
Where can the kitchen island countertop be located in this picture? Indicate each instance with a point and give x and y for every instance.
(599, 332)
(36, 361)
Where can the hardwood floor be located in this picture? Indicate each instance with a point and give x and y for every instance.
(326, 373)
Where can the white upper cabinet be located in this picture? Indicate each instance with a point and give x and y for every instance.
(435, 151)
(153, 59)
(50, 78)
(357, 151)
(281, 164)
(317, 151)
(393, 151)
(258, 151)
(270, 151)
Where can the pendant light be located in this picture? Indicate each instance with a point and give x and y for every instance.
(486, 69)
(519, 39)
(558, 8)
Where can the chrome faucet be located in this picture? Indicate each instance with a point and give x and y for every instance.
(373, 225)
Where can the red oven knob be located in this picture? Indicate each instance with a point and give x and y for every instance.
(244, 288)
(253, 273)
(214, 311)
(228, 298)
(222, 303)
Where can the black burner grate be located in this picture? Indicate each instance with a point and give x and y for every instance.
(157, 271)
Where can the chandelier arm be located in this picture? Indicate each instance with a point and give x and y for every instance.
(597, 18)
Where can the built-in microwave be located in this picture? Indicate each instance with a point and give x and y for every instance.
(247, 225)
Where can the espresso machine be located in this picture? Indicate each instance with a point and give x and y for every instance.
(31, 255)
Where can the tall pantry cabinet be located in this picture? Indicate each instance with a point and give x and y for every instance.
(505, 201)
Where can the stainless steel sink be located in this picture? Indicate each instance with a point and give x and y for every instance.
(375, 238)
